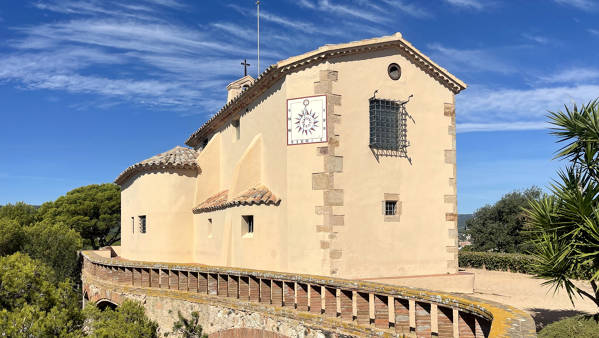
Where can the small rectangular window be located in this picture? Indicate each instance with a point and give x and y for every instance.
(235, 124)
(209, 227)
(390, 208)
(133, 224)
(247, 224)
(142, 224)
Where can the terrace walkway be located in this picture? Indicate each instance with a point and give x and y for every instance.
(235, 302)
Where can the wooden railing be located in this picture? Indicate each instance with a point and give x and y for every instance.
(394, 310)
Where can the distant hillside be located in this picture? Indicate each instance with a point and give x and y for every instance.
(462, 218)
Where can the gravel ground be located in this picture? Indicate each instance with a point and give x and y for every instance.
(527, 293)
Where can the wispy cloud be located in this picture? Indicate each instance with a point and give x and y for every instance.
(409, 8)
(580, 4)
(469, 4)
(306, 3)
(593, 31)
(500, 126)
(277, 19)
(235, 30)
(483, 109)
(307, 31)
(469, 60)
(536, 38)
(572, 75)
(158, 63)
(361, 13)
(93, 8)
(168, 3)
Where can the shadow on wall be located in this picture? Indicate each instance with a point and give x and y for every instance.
(544, 317)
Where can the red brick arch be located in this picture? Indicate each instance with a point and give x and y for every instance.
(100, 295)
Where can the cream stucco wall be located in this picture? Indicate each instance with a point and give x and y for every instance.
(166, 199)
(295, 236)
(416, 244)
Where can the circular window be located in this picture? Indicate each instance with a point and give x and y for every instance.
(394, 71)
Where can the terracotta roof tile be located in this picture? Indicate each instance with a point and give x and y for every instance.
(176, 158)
(257, 195)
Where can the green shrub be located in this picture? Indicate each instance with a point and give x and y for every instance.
(128, 320)
(507, 262)
(496, 261)
(579, 326)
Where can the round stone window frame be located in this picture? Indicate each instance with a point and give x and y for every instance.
(394, 71)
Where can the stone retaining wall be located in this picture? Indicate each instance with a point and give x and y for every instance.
(295, 305)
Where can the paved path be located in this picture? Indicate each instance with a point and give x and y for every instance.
(527, 293)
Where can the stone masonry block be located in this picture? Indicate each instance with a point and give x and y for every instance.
(450, 216)
(334, 141)
(324, 228)
(325, 244)
(335, 220)
(335, 99)
(335, 254)
(451, 130)
(333, 119)
(449, 109)
(452, 249)
(331, 75)
(323, 87)
(322, 151)
(450, 156)
(453, 233)
(338, 210)
(320, 181)
(391, 197)
(333, 164)
(333, 197)
(322, 210)
(450, 199)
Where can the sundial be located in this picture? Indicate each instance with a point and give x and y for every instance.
(306, 120)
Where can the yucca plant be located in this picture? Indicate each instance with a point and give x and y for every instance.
(566, 224)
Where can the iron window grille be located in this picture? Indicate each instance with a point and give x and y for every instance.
(142, 224)
(388, 126)
(390, 208)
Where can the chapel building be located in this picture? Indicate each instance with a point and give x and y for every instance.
(337, 162)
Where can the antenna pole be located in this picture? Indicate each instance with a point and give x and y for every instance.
(258, 4)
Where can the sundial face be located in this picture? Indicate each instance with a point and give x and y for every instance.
(306, 120)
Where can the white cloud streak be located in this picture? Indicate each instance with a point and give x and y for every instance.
(580, 4)
(469, 60)
(409, 8)
(469, 4)
(500, 126)
(536, 38)
(516, 109)
(573, 75)
(326, 5)
(125, 55)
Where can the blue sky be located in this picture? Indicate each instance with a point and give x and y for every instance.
(90, 87)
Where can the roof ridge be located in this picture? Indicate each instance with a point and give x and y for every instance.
(176, 158)
(273, 72)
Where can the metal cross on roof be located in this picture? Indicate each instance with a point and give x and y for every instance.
(245, 65)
